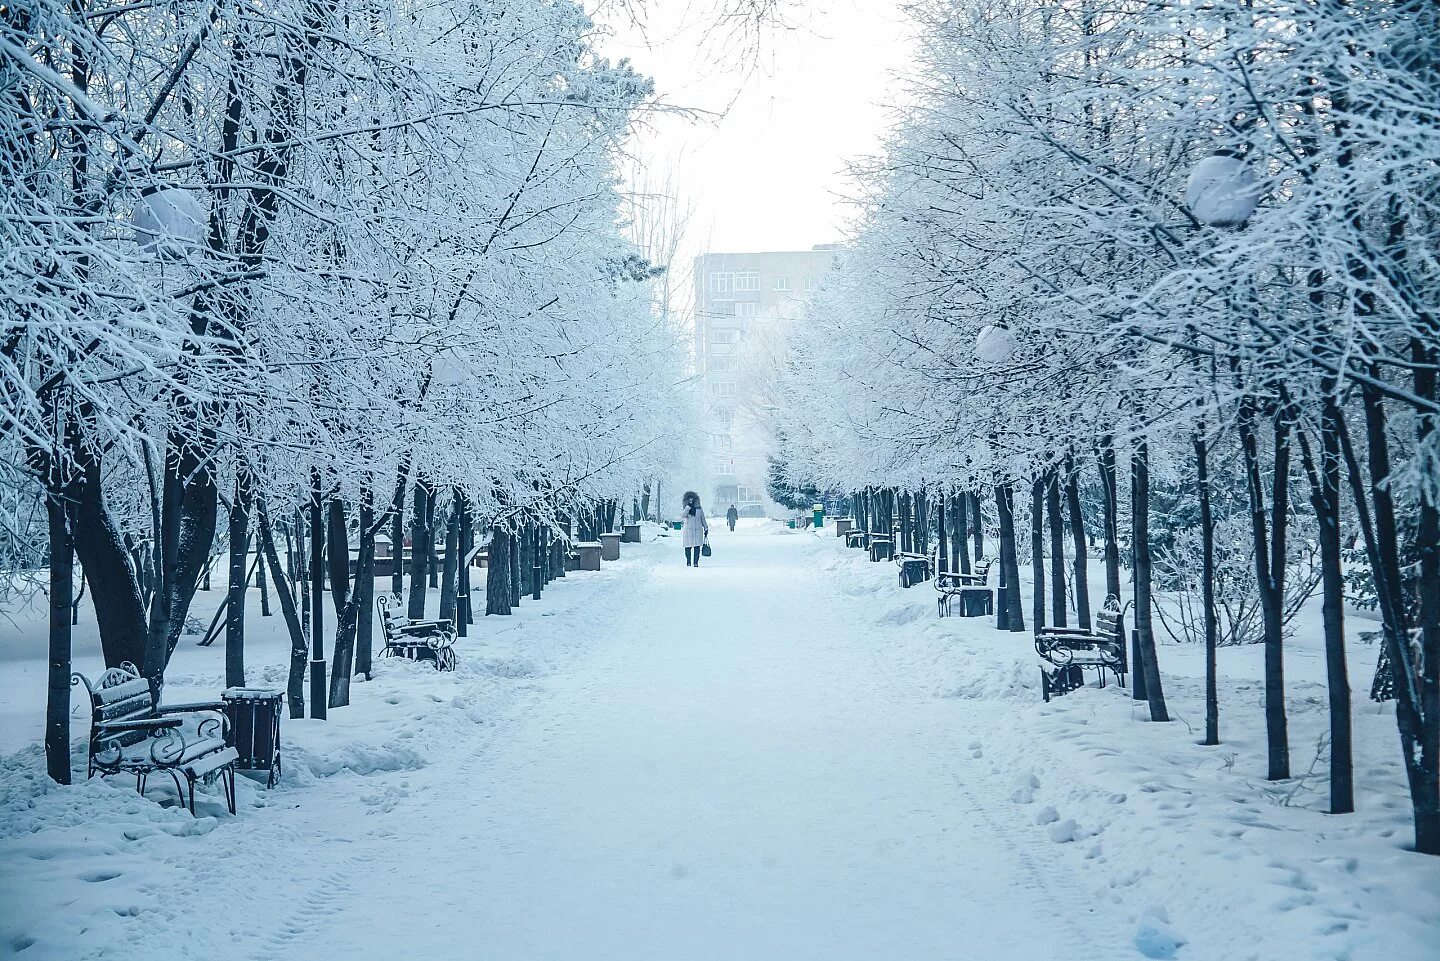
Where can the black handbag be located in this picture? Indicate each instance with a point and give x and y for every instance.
(705, 548)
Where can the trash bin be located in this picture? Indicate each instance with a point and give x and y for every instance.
(843, 526)
(819, 512)
(630, 534)
(254, 714)
(610, 546)
(589, 552)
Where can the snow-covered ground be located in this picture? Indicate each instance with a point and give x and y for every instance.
(780, 755)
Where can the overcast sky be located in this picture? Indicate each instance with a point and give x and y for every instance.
(768, 174)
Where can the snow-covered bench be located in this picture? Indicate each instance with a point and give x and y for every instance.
(854, 538)
(975, 597)
(432, 641)
(1065, 653)
(882, 548)
(914, 568)
(129, 734)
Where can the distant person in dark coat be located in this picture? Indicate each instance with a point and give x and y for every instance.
(732, 515)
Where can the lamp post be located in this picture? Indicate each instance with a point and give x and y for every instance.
(996, 345)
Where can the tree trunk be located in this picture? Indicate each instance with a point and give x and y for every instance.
(239, 580)
(397, 546)
(1077, 537)
(942, 545)
(514, 538)
(497, 575)
(1427, 545)
(1009, 614)
(1324, 479)
(365, 586)
(977, 524)
(467, 545)
(450, 577)
(419, 553)
(1037, 550)
(283, 593)
(1207, 592)
(319, 695)
(1140, 511)
(1269, 581)
(262, 585)
(62, 584)
(1111, 495)
(1058, 609)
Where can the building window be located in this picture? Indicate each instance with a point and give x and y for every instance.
(722, 282)
(809, 283)
(725, 417)
(747, 280)
(782, 283)
(723, 442)
(720, 365)
(724, 336)
(744, 308)
(724, 389)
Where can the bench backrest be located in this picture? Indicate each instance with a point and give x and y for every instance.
(120, 694)
(981, 568)
(389, 607)
(1107, 621)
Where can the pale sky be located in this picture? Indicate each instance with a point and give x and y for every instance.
(769, 174)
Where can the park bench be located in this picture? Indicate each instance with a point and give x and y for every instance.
(432, 641)
(854, 538)
(976, 599)
(130, 734)
(914, 568)
(1066, 653)
(882, 548)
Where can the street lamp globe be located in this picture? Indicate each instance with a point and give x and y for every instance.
(1221, 191)
(995, 344)
(169, 222)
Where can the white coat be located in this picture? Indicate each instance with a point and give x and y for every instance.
(693, 527)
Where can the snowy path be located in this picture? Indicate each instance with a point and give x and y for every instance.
(728, 779)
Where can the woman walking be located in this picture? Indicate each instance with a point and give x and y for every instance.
(693, 528)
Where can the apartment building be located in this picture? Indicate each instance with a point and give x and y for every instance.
(744, 304)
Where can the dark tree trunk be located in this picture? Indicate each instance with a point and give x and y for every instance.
(319, 695)
(449, 579)
(338, 556)
(960, 537)
(114, 591)
(283, 593)
(262, 585)
(1140, 511)
(62, 584)
(365, 586)
(537, 559)
(1207, 592)
(432, 559)
(514, 538)
(1009, 614)
(942, 545)
(397, 544)
(464, 613)
(1111, 495)
(1270, 549)
(497, 575)
(239, 575)
(1077, 537)
(419, 553)
(1324, 479)
(1058, 609)
(977, 524)
(1037, 550)
(1425, 778)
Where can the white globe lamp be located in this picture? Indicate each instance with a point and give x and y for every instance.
(1222, 191)
(995, 345)
(169, 222)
